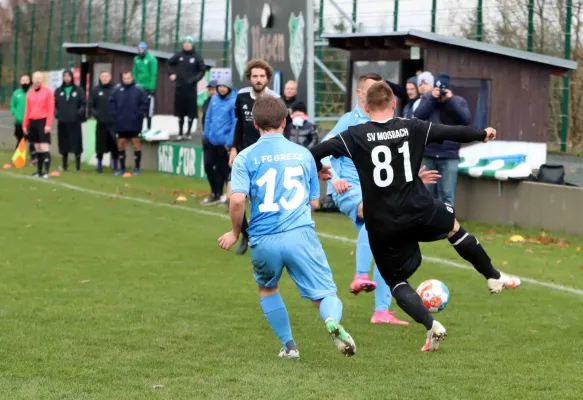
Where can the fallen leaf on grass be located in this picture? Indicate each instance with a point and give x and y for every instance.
(559, 261)
(528, 251)
(543, 234)
(505, 263)
(489, 232)
(578, 248)
(181, 199)
(517, 239)
(158, 387)
(86, 281)
(352, 252)
(581, 267)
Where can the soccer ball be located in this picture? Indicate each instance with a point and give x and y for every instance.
(435, 295)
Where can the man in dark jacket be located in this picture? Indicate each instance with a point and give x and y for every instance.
(186, 68)
(413, 99)
(70, 112)
(219, 127)
(128, 104)
(105, 140)
(302, 131)
(212, 88)
(439, 105)
(290, 94)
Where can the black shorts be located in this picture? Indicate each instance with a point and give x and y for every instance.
(398, 255)
(128, 135)
(105, 140)
(185, 101)
(18, 132)
(36, 131)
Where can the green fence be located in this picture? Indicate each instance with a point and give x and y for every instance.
(31, 34)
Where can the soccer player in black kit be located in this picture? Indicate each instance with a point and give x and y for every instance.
(259, 73)
(399, 212)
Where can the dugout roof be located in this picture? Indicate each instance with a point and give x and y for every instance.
(417, 38)
(98, 48)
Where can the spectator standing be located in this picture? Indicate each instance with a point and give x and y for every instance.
(187, 67)
(212, 89)
(17, 107)
(412, 96)
(105, 140)
(38, 119)
(290, 94)
(70, 112)
(439, 105)
(145, 73)
(128, 105)
(218, 134)
(302, 131)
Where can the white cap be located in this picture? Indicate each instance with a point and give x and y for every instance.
(426, 77)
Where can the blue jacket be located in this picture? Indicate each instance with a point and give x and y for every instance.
(454, 111)
(220, 120)
(128, 104)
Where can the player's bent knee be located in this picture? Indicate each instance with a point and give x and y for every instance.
(456, 227)
(265, 291)
(360, 211)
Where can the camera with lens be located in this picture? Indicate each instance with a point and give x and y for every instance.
(442, 91)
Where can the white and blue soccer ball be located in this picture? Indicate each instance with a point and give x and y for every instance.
(435, 295)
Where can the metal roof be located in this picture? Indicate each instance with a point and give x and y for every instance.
(335, 41)
(79, 47)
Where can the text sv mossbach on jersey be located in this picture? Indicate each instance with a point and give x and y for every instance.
(386, 135)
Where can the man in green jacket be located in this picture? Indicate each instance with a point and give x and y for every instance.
(17, 107)
(145, 73)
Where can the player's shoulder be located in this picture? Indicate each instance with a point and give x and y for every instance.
(272, 93)
(245, 92)
(244, 154)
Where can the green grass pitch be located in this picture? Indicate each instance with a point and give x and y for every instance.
(103, 297)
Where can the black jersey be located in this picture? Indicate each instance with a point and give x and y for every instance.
(388, 156)
(245, 132)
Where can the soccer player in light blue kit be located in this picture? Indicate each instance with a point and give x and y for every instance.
(347, 195)
(281, 180)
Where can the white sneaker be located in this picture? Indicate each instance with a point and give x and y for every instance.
(45, 176)
(436, 334)
(188, 137)
(178, 138)
(505, 282)
(209, 200)
(284, 353)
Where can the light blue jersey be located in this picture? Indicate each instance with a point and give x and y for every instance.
(279, 177)
(344, 167)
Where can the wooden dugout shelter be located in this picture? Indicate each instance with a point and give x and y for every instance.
(115, 58)
(506, 88)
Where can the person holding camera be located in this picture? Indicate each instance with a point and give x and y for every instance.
(439, 105)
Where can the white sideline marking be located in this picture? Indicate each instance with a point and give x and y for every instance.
(344, 239)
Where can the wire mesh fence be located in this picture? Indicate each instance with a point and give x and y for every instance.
(32, 33)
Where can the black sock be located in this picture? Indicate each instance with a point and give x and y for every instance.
(65, 161)
(39, 162)
(472, 251)
(180, 126)
(78, 161)
(190, 122)
(47, 162)
(31, 150)
(245, 226)
(122, 160)
(411, 303)
(137, 159)
(149, 122)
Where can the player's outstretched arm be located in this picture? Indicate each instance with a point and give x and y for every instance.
(461, 134)
(335, 147)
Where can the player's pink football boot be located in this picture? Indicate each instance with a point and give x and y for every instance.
(360, 283)
(386, 317)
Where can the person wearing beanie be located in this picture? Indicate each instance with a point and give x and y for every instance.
(186, 68)
(439, 105)
(128, 104)
(302, 131)
(70, 113)
(219, 128)
(212, 89)
(17, 107)
(145, 73)
(412, 97)
(105, 139)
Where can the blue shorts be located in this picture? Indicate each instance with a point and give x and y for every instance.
(301, 252)
(348, 204)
